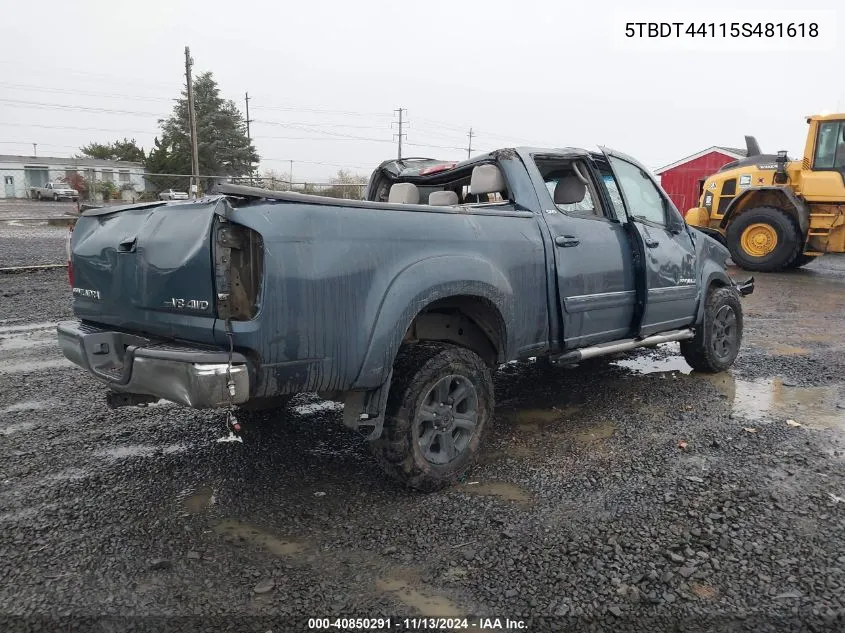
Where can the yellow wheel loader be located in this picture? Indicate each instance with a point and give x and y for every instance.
(775, 213)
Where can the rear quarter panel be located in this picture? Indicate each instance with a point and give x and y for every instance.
(341, 285)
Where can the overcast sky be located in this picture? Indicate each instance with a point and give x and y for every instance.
(518, 72)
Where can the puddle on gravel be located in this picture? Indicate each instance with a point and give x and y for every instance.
(705, 592)
(788, 350)
(199, 500)
(17, 428)
(596, 433)
(814, 407)
(7, 329)
(501, 489)
(653, 364)
(34, 365)
(256, 536)
(26, 405)
(536, 420)
(141, 450)
(27, 342)
(69, 474)
(316, 407)
(425, 603)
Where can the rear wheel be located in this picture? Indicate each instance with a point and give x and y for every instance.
(437, 408)
(38, 195)
(764, 239)
(718, 338)
(55, 197)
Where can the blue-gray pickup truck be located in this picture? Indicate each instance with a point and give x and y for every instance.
(400, 305)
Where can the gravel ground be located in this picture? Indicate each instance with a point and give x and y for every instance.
(14, 209)
(626, 494)
(32, 244)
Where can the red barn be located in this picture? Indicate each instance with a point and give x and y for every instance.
(683, 180)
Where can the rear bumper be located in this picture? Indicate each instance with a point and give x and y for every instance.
(127, 363)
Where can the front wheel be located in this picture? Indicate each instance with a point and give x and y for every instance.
(718, 338)
(764, 239)
(437, 408)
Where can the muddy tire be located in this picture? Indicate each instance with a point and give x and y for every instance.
(717, 340)
(38, 195)
(438, 406)
(764, 239)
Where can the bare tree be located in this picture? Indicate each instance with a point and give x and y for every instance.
(346, 184)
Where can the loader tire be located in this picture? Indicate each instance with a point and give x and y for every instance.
(764, 239)
(718, 338)
(438, 405)
(802, 260)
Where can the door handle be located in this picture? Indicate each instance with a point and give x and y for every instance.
(652, 243)
(566, 241)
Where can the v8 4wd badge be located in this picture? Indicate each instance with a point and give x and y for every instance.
(186, 304)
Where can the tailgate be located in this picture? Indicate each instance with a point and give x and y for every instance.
(147, 268)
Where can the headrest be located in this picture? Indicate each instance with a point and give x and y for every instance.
(404, 193)
(443, 198)
(486, 179)
(569, 190)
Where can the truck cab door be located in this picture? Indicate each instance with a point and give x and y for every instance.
(672, 290)
(591, 251)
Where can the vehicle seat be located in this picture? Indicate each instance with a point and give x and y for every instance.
(487, 179)
(443, 198)
(404, 193)
(569, 190)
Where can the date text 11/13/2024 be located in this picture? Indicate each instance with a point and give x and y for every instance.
(416, 624)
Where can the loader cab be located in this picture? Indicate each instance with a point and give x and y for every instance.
(824, 154)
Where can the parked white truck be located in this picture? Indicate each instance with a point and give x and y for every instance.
(54, 191)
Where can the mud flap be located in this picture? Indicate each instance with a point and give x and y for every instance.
(363, 411)
(746, 287)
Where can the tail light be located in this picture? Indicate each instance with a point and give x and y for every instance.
(69, 258)
(239, 263)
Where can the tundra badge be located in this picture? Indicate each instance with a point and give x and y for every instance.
(88, 294)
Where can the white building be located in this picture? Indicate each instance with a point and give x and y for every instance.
(19, 173)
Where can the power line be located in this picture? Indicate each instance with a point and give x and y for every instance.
(320, 111)
(81, 129)
(42, 144)
(60, 106)
(87, 93)
(73, 71)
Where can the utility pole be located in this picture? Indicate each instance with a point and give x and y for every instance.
(290, 177)
(35, 149)
(248, 137)
(469, 147)
(192, 118)
(401, 135)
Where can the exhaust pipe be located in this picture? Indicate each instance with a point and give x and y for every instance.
(603, 349)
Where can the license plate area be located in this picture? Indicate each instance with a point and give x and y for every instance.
(109, 354)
